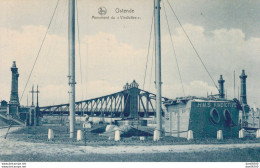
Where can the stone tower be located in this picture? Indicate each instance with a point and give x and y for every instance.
(243, 98)
(221, 87)
(131, 100)
(14, 98)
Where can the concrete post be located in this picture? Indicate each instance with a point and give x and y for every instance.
(32, 118)
(219, 135)
(190, 135)
(242, 133)
(258, 133)
(79, 135)
(156, 135)
(117, 135)
(50, 134)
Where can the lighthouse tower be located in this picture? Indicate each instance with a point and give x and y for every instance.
(243, 98)
(14, 98)
(221, 87)
(243, 77)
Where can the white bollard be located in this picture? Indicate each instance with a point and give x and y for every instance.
(142, 138)
(190, 135)
(50, 134)
(241, 133)
(117, 135)
(219, 135)
(156, 135)
(258, 133)
(79, 135)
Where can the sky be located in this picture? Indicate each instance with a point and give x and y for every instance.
(111, 52)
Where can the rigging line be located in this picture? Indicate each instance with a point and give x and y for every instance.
(174, 50)
(40, 48)
(192, 45)
(152, 65)
(56, 29)
(79, 50)
(148, 52)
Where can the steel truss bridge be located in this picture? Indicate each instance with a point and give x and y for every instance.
(132, 102)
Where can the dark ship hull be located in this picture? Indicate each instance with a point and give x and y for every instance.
(203, 116)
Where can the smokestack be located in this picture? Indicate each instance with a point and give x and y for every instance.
(243, 77)
(221, 87)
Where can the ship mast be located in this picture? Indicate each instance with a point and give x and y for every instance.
(71, 76)
(158, 82)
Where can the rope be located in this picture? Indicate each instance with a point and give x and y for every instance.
(40, 48)
(175, 56)
(8, 131)
(56, 28)
(148, 49)
(193, 46)
(151, 66)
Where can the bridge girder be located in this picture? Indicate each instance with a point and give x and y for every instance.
(117, 104)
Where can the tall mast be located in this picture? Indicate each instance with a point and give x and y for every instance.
(71, 76)
(234, 84)
(37, 92)
(158, 82)
(32, 95)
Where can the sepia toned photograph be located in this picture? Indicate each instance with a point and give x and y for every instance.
(101, 81)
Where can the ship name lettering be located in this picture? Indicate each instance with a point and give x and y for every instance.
(216, 104)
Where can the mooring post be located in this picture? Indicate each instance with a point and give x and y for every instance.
(79, 135)
(190, 135)
(258, 133)
(117, 135)
(50, 134)
(219, 135)
(156, 135)
(242, 133)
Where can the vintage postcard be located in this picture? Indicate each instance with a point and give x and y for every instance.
(171, 81)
